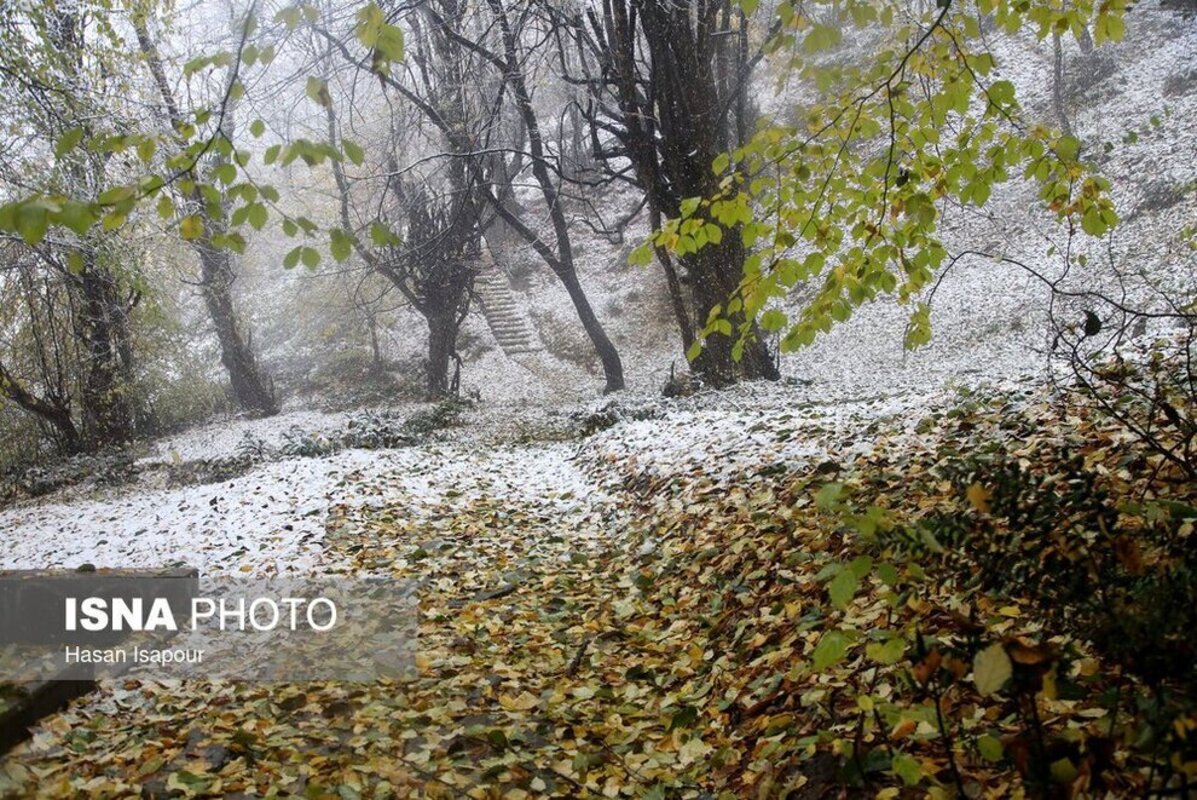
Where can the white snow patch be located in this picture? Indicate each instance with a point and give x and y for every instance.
(270, 520)
(223, 438)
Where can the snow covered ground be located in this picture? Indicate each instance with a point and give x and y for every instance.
(273, 519)
(270, 520)
(222, 438)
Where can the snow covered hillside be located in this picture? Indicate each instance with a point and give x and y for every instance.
(989, 319)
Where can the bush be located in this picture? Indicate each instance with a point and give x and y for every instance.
(297, 442)
(611, 414)
(444, 414)
(377, 430)
(1082, 531)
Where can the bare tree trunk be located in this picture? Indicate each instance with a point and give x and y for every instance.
(107, 413)
(375, 345)
(1058, 85)
(715, 273)
(670, 81)
(677, 300)
(54, 412)
(689, 83)
(252, 390)
(442, 346)
(563, 264)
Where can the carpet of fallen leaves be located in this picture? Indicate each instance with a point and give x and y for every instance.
(680, 634)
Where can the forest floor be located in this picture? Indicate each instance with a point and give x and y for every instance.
(640, 598)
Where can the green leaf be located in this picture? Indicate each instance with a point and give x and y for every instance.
(830, 496)
(257, 216)
(1092, 222)
(832, 648)
(907, 768)
(990, 747)
(116, 195)
(773, 320)
(292, 258)
(68, 142)
(980, 192)
(353, 152)
(642, 255)
(991, 669)
(1067, 148)
(289, 16)
(888, 652)
(146, 149)
(235, 242)
(918, 331)
(694, 351)
(225, 173)
(257, 128)
(842, 588)
(1002, 93)
(76, 216)
(317, 90)
(821, 37)
(32, 220)
(1109, 28)
(384, 40)
(861, 566)
(382, 236)
(340, 245)
(195, 65)
(310, 257)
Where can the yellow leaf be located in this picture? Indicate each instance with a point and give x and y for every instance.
(978, 497)
(523, 702)
(191, 227)
(991, 669)
(1050, 689)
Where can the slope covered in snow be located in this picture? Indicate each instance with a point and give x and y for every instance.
(989, 319)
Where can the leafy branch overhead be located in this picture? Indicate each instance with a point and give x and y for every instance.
(230, 192)
(851, 198)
